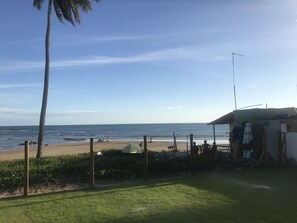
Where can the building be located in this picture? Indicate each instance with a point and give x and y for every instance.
(274, 131)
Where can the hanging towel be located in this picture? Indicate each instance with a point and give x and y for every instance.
(247, 133)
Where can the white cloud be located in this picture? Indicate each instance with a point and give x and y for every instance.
(16, 116)
(171, 54)
(79, 40)
(21, 66)
(74, 40)
(4, 86)
(73, 113)
(172, 108)
(15, 111)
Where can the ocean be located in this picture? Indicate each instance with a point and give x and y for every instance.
(12, 136)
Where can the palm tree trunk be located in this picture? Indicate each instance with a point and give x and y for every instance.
(46, 81)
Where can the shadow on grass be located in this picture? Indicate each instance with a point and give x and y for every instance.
(262, 195)
(88, 192)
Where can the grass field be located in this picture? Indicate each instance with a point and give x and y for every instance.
(258, 195)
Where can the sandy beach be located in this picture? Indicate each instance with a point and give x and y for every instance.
(74, 148)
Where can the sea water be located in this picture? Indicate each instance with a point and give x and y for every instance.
(12, 136)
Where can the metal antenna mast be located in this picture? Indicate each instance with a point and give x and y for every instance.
(234, 90)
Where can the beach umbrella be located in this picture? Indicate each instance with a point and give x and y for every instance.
(132, 148)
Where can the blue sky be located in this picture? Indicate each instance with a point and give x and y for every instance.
(140, 61)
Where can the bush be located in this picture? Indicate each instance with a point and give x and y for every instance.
(112, 165)
(11, 174)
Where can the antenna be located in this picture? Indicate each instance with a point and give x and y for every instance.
(234, 90)
(250, 106)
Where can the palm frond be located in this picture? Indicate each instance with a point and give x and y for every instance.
(37, 3)
(58, 11)
(75, 12)
(85, 5)
(64, 7)
(68, 10)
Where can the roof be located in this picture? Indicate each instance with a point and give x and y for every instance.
(226, 119)
(257, 114)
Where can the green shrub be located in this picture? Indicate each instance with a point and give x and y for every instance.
(112, 165)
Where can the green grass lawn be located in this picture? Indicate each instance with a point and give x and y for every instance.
(259, 195)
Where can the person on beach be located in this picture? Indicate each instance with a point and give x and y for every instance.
(151, 139)
(214, 149)
(236, 137)
(206, 148)
(195, 149)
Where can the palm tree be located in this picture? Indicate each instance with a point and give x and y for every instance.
(68, 10)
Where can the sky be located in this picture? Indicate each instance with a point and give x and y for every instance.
(141, 61)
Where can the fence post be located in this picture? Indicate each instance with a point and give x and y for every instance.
(26, 178)
(145, 158)
(191, 154)
(191, 145)
(92, 174)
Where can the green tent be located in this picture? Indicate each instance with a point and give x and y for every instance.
(132, 148)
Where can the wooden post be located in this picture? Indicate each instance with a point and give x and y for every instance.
(279, 147)
(265, 146)
(26, 178)
(187, 143)
(174, 139)
(191, 145)
(92, 174)
(145, 158)
(214, 133)
(191, 154)
(284, 147)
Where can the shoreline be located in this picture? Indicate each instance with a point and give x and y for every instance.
(84, 147)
